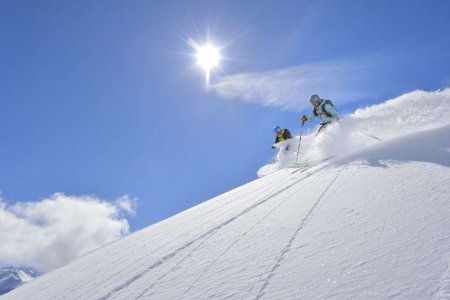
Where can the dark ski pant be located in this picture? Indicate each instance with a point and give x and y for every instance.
(322, 127)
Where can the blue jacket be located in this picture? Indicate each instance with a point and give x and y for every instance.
(322, 115)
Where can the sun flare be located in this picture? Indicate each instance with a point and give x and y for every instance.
(208, 57)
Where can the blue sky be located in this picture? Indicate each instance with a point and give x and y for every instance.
(103, 97)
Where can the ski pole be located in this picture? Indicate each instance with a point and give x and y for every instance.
(299, 141)
(368, 134)
(372, 136)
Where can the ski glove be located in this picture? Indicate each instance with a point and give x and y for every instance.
(304, 118)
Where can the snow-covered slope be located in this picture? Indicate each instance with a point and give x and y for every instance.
(12, 277)
(373, 224)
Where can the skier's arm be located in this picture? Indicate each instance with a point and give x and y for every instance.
(311, 118)
(304, 118)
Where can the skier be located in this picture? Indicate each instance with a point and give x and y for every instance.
(323, 109)
(281, 135)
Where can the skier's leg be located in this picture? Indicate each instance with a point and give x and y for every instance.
(322, 127)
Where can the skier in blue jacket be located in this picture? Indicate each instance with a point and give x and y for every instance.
(324, 110)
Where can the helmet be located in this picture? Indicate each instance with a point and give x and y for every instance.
(276, 129)
(315, 100)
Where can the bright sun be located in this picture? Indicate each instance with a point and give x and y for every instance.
(208, 57)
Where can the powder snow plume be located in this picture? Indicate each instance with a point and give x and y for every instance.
(409, 113)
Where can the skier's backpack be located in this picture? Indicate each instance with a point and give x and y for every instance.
(324, 111)
(287, 134)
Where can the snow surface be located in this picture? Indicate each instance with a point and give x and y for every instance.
(371, 224)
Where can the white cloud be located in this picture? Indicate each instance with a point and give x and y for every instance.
(290, 88)
(127, 204)
(52, 232)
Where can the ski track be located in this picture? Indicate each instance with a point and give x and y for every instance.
(176, 266)
(241, 236)
(238, 239)
(388, 210)
(288, 246)
(444, 286)
(204, 235)
(313, 164)
(258, 196)
(268, 189)
(210, 265)
(260, 275)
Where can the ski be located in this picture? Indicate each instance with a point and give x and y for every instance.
(308, 164)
